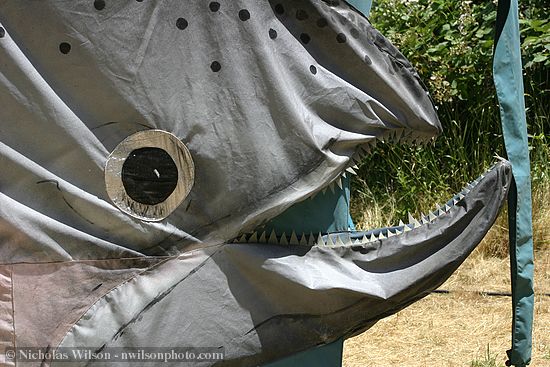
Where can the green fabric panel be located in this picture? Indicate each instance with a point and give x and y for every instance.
(329, 355)
(328, 212)
(507, 73)
(324, 213)
(363, 6)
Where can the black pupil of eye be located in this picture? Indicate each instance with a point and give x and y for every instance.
(149, 175)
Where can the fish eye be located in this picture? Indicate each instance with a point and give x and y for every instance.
(149, 174)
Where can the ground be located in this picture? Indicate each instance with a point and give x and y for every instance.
(462, 328)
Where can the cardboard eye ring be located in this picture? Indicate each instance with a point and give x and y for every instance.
(149, 139)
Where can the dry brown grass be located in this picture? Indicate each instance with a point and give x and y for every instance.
(369, 214)
(541, 216)
(495, 243)
(456, 329)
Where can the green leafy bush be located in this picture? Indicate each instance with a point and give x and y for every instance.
(450, 43)
(535, 31)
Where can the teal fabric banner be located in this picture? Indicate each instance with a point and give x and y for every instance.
(363, 6)
(507, 73)
(329, 355)
(326, 212)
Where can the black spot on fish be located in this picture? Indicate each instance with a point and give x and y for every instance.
(341, 38)
(272, 33)
(305, 38)
(214, 6)
(244, 15)
(64, 48)
(99, 4)
(313, 69)
(215, 66)
(182, 23)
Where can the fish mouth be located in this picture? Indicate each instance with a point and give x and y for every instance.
(325, 286)
(482, 197)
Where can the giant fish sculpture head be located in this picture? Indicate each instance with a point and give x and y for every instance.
(138, 139)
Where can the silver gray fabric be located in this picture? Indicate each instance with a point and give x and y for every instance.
(262, 302)
(274, 99)
(264, 131)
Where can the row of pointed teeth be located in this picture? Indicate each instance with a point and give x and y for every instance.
(349, 239)
(334, 239)
(338, 182)
(272, 238)
(393, 136)
(330, 240)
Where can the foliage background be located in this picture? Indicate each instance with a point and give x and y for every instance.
(450, 43)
